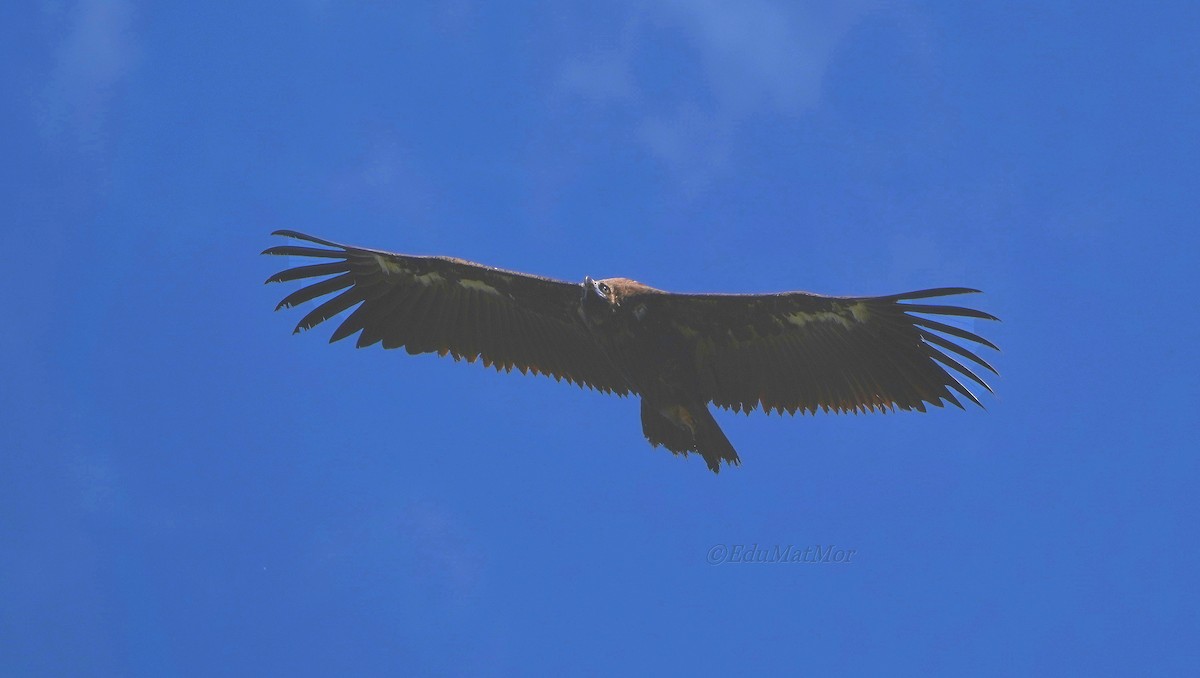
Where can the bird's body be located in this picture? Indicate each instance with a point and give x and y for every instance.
(656, 355)
(791, 351)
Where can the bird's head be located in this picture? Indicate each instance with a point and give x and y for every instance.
(603, 299)
(598, 294)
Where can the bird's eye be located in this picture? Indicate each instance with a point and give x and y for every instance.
(603, 289)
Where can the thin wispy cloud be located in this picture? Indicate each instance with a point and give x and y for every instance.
(757, 57)
(428, 551)
(385, 176)
(761, 54)
(94, 57)
(97, 482)
(443, 553)
(691, 143)
(603, 75)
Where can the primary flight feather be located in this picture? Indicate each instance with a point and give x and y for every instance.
(791, 351)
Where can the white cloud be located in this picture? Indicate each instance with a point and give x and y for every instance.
(96, 53)
(384, 177)
(602, 75)
(690, 143)
(96, 481)
(762, 54)
(756, 57)
(443, 553)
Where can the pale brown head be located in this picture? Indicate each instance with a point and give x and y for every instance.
(604, 299)
(612, 291)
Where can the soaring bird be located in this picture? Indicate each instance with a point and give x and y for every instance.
(788, 352)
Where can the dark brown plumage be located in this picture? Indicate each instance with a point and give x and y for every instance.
(787, 352)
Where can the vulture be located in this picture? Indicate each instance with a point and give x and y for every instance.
(788, 352)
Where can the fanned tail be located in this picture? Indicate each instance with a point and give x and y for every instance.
(688, 428)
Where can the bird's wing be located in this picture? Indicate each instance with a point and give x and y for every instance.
(799, 351)
(450, 306)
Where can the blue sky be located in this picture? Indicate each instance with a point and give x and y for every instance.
(187, 489)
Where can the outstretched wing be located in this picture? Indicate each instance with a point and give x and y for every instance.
(799, 351)
(450, 306)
